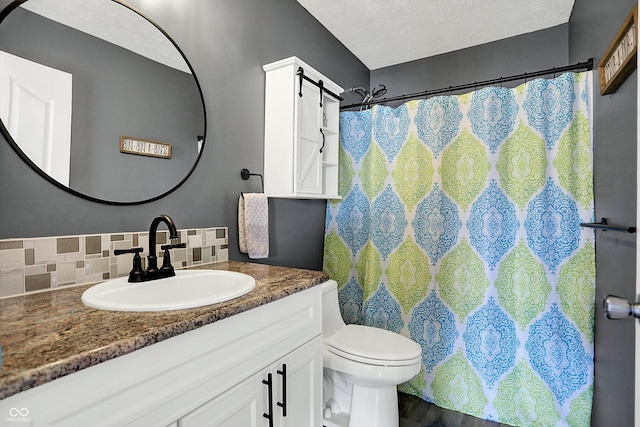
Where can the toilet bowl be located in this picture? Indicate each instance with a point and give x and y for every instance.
(362, 368)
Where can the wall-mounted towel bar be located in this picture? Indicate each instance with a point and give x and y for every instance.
(245, 174)
(602, 225)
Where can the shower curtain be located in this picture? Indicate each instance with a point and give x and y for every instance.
(459, 227)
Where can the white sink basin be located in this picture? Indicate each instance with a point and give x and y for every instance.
(187, 289)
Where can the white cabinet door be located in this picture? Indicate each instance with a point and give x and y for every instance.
(295, 401)
(301, 371)
(308, 172)
(241, 406)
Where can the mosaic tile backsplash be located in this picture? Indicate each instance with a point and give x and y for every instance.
(36, 264)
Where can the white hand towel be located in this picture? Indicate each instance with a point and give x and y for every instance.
(253, 231)
(242, 233)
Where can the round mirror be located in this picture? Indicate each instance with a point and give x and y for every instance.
(98, 99)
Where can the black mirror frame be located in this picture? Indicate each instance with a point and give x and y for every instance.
(3, 14)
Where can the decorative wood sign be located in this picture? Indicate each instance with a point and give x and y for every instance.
(620, 59)
(145, 147)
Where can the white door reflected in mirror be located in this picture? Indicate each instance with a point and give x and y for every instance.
(35, 105)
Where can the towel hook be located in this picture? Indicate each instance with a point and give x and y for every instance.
(245, 174)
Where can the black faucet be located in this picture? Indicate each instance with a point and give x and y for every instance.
(153, 272)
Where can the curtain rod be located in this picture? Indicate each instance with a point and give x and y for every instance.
(587, 65)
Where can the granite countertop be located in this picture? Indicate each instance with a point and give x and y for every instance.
(48, 335)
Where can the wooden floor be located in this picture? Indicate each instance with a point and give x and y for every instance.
(415, 412)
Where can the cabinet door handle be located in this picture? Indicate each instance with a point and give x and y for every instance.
(283, 404)
(322, 148)
(269, 384)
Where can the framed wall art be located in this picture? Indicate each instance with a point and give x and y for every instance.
(145, 147)
(619, 60)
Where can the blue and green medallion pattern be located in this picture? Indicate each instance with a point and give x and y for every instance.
(459, 228)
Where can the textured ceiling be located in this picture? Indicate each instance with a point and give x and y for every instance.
(379, 32)
(114, 23)
(389, 32)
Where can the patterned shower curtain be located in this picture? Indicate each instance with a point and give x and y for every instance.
(459, 227)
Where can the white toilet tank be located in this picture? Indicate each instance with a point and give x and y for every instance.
(331, 316)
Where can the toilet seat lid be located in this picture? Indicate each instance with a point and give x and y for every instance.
(373, 345)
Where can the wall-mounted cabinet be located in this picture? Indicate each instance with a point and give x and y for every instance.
(301, 132)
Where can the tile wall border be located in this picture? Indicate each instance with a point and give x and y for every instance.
(43, 263)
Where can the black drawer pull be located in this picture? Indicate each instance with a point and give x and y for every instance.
(283, 404)
(269, 384)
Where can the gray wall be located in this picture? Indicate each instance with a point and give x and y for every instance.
(592, 27)
(528, 52)
(226, 42)
(115, 92)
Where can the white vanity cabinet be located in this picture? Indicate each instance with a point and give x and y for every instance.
(301, 132)
(211, 376)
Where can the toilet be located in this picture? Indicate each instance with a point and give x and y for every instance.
(362, 368)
